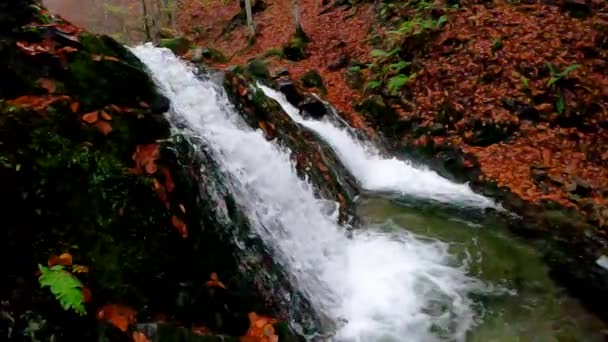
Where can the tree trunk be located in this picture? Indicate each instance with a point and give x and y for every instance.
(249, 17)
(146, 26)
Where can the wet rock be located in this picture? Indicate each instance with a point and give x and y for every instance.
(583, 188)
(354, 78)
(282, 72)
(212, 54)
(292, 94)
(312, 106)
(577, 8)
(338, 63)
(295, 50)
(179, 45)
(539, 175)
(487, 132)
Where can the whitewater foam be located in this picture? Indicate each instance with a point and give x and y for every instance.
(379, 285)
(378, 173)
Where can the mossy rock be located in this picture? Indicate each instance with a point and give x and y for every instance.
(258, 68)
(208, 53)
(179, 45)
(295, 50)
(312, 79)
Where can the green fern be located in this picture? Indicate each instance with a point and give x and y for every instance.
(66, 288)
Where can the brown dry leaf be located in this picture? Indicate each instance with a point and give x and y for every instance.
(118, 315)
(80, 269)
(106, 116)
(74, 107)
(111, 58)
(47, 84)
(180, 226)
(91, 117)
(86, 294)
(66, 49)
(97, 58)
(546, 154)
(261, 329)
(201, 330)
(140, 337)
(104, 127)
(215, 282)
(64, 259)
(182, 208)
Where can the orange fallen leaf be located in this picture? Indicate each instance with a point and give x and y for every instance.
(66, 49)
(215, 282)
(180, 226)
(64, 259)
(80, 269)
(74, 107)
(140, 337)
(151, 168)
(90, 118)
(261, 329)
(118, 315)
(105, 116)
(201, 330)
(47, 84)
(111, 58)
(104, 127)
(86, 294)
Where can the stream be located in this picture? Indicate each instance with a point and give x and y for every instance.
(414, 271)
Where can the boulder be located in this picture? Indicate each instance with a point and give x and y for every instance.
(292, 94)
(258, 68)
(179, 45)
(312, 79)
(312, 106)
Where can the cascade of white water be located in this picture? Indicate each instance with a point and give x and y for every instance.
(378, 173)
(376, 285)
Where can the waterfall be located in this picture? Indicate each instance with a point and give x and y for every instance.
(378, 173)
(376, 285)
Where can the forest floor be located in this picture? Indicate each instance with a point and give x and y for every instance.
(523, 86)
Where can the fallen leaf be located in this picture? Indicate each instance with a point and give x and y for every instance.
(180, 226)
(140, 337)
(104, 127)
(118, 315)
(47, 84)
(201, 330)
(151, 168)
(97, 58)
(215, 282)
(64, 259)
(144, 104)
(111, 58)
(80, 269)
(90, 118)
(66, 49)
(105, 116)
(86, 294)
(74, 107)
(546, 155)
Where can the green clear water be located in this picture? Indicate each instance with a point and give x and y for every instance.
(536, 310)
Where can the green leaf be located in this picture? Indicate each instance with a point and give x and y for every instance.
(382, 53)
(560, 104)
(552, 81)
(570, 68)
(398, 66)
(396, 82)
(442, 20)
(66, 288)
(373, 84)
(355, 68)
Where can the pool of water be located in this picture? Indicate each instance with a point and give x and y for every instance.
(533, 308)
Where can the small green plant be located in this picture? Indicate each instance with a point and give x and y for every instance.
(373, 85)
(395, 83)
(560, 103)
(496, 44)
(66, 288)
(385, 54)
(556, 75)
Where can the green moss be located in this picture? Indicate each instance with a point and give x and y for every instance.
(258, 68)
(295, 50)
(178, 45)
(312, 79)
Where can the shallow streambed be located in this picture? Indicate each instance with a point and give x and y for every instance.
(533, 308)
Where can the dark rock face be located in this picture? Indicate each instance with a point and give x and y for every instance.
(292, 94)
(312, 106)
